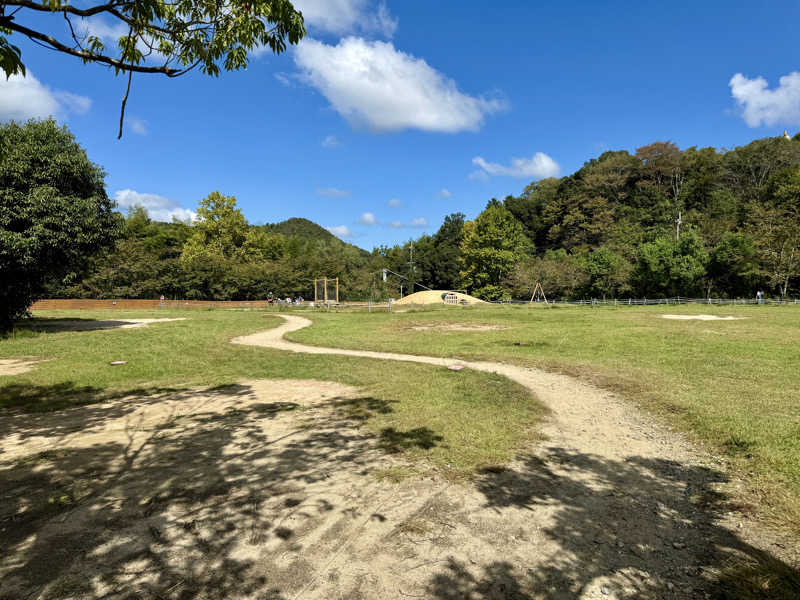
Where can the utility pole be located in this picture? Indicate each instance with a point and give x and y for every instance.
(412, 271)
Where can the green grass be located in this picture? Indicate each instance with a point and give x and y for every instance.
(456, 422)
(732, 384)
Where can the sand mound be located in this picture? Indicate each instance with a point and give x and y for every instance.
(437, 297)
(701, 318)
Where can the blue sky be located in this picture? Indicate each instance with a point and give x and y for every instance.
(391, 115)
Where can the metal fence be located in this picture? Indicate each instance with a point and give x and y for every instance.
(656, 301)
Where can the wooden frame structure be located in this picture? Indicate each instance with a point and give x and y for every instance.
(326, 290)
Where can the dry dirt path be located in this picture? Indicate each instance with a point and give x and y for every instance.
(609, 504)
(271, 489)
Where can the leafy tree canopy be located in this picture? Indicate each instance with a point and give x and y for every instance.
(168, 38)
(54, 211)
(492, 244)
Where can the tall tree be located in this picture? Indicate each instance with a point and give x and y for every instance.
(162, 37)
(673, 267)
(54, 212)
(492, 244)
(446, 252)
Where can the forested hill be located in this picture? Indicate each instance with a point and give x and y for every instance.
(308, 230)
(303, 228)
(656, 222)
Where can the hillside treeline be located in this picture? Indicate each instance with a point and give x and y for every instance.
(658, 222)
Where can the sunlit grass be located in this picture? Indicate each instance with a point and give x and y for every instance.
(733, 384)
(455, 421)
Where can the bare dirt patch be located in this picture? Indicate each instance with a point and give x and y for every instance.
(457, 327)
(59, 325)
(17, 366)
(701, 318)
(271, 489)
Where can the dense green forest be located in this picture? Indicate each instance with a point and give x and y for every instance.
(659, 222)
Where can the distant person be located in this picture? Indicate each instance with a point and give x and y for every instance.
(270, 298)
(760, 297)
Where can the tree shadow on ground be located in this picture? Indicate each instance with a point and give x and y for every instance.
(635, 528)
(177, 508)
(394, 441)
(59, 325)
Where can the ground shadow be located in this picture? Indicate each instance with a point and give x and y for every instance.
(179, 508)
(56, 325)
(636, 528)
(59, 396)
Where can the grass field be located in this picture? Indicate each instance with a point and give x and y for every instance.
(730, 384)
(461, 410)
(733, 384)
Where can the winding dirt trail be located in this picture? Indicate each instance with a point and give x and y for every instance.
(273, 489)
(610, 504)
(584, 419)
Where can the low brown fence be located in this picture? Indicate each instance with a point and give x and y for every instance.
(85, 304)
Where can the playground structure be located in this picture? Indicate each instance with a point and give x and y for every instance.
(538, 294)
(326, 291)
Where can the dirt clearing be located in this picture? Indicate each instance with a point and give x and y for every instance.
(271, 489)
(457, 327)
(701, 318)
(17, 366)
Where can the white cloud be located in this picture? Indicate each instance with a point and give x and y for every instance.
(375, 86)
(342, 231)
(286, 79)
(101, 29)
(395, 203)
(478, 175)
(110, 34)
(538, 166)
(418, 222)
(23, 98)
(331, 141)
(158, 207)
(332, 192)
(341, 17)
(137, 126)
(367, 219)
(764, 106)
(396, 224)
(444, 193)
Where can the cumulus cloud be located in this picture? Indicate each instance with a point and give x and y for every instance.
(110, 34)
(342, 231)
(762, 106)
(137, 125)
(538, 166)
(158, 207)
(395, 203)
(23, 98)
(99, 28)
(341, 17)
(332, 192)
(331, 141)
(367, 219)
(286, 79)
(444, 193)
(375, 86)
(396, 224)
(418, 222)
